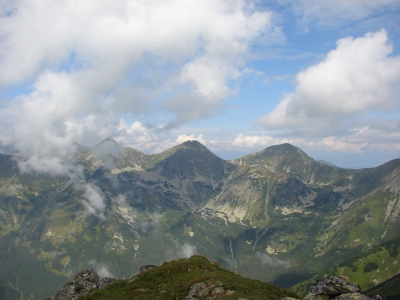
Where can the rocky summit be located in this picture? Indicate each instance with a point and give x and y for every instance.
(186, 279)
(83, 284)
(196, 278)
(338, 288)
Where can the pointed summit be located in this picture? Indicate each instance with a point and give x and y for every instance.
(108, 146)
(108, 139)
(193, 144)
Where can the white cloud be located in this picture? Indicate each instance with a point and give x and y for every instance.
(199, 43)
(358, 77)
(94, 200)
(187, 250)
(95, 67)
(101, 268)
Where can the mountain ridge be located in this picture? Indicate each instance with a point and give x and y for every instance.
(299, 219)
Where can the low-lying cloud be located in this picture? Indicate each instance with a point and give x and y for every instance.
(271, 261)
(187, 250)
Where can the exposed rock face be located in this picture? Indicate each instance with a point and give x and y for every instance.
(334, 286)
(146, 268)
(83, 283)
(209, 290)
(337, 288)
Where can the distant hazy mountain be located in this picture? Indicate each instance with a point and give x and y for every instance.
(324, 162)
(276, 215)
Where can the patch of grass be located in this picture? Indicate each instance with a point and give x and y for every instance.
(173, 280)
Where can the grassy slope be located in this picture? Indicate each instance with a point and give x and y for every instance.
(389, 289)
(175, 279)
(368, 269)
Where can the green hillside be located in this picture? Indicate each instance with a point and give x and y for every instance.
(173, 280)
(369, 269)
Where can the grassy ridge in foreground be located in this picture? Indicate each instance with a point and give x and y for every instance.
(173, 280)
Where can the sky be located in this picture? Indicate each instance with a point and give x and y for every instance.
(236, 75)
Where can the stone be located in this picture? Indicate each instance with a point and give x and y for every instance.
(337, 288)
(376, 297)
(146, 268)
(218, 291)
(83, 284)
(105, 282)
(216, 263)
(317, 297)
(352, 296)
(332, 286)
(230, 293)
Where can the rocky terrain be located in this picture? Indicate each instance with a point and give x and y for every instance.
(197, 278)
(276, 215)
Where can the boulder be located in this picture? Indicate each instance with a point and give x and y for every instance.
(352, 296)
(337, 288)
(146, 268)
(83, 284)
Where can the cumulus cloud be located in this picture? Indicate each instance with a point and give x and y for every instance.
(113, 55)
(88, 70)
(356, 78)
(336, 13)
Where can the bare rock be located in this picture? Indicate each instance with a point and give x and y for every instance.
(337, 288)
(146, 268)
(352, 296)
(83, 284)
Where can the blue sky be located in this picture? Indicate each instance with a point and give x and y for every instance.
(236, 75)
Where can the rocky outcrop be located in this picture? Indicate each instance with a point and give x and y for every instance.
(336, 288)
(210, 290)
(83, 283)
(146, 268)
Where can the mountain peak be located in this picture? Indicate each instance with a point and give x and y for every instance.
(109, 139)
(281, 147)
(193, 144)
(107, 146)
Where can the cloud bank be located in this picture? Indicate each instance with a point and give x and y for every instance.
(356, 81)
(91, 63)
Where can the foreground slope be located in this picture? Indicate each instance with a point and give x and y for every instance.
(173, 280)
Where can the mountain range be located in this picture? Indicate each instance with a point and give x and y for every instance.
(276, 215)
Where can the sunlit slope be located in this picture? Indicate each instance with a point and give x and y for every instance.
(372, 267)
(286, 158)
